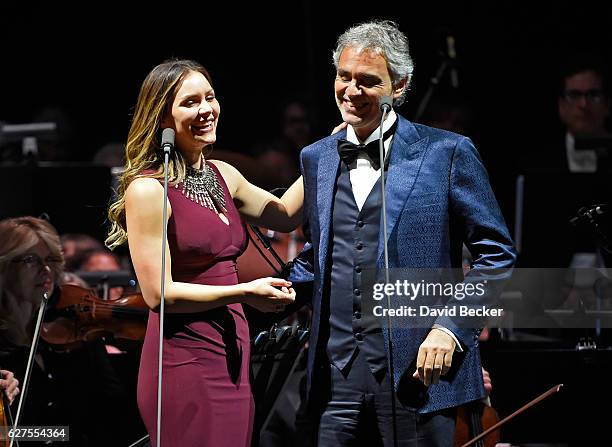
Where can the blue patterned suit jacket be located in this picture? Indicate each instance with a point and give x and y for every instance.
(438, 197)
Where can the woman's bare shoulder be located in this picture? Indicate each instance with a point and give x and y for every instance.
(144, 189)
(230, 174)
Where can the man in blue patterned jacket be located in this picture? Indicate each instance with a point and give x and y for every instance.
(438, 197)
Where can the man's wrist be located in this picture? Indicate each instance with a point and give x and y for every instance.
(458, 347)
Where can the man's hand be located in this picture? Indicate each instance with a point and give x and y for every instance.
(435, 357)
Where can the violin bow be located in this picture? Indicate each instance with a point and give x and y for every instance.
(28, 371)
(6, 408)
(553, 390)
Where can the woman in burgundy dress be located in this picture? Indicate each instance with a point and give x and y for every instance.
(206, 395)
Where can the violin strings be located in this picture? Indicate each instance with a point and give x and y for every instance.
(117, 309)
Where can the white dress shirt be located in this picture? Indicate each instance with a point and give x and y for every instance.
(579, 161)
(363, 176)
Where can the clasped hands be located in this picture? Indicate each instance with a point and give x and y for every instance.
(435, 357)
(269, 294)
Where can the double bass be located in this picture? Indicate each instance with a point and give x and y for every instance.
(472, 420)
(478, 439)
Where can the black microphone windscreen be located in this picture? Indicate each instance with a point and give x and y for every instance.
(386, 103)
(167, 137)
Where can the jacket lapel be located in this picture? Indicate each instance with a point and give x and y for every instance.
(407, 153)
(329, 163)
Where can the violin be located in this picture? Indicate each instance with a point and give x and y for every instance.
(77, 315)
(6, 420)
(473, 419)
(4, 425)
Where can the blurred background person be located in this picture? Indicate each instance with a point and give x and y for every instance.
(450, 110)
(103, 261)
(74, 246)
(111, 155)
(584, 107)
(279, 153)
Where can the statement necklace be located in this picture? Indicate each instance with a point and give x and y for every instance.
(202, 186)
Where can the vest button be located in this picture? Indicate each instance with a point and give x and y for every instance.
(357, 291)
(359, 336)
(358, 269)
(360, 223)
(357, 315)
(359, 246)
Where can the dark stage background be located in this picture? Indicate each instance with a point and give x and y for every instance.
(90, 61)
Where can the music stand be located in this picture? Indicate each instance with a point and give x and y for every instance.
(107, 279)
(274, 357)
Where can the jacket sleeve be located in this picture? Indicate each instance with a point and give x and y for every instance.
(477, 216)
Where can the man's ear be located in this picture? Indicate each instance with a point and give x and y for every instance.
(399, 88)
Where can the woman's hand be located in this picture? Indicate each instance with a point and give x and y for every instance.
(339, 127)
(486, 379)
(9, 385)
(269, 294)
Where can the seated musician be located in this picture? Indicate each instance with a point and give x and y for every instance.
(79, 388)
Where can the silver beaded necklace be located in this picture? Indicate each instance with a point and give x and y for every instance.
(202, 186)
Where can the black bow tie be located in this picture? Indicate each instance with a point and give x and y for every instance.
(349, 151)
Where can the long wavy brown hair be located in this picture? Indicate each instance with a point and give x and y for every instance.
(143, 156)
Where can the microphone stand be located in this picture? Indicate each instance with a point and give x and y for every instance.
(167, 135)
(30, 365)
(386, 108)
(430, 90)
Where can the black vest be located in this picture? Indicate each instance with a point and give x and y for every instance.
(354, 239)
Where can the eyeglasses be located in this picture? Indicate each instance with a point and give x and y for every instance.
(594, 96)
(35, 262)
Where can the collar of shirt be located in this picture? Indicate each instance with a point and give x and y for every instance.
(579, 161)
(351, 136)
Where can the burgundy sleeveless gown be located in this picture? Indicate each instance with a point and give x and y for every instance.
(206, 397)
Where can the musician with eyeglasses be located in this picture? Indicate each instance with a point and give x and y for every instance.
(584, 107)
(78, 388)
(30, 265)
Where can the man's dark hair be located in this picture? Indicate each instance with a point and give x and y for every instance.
(581, 63)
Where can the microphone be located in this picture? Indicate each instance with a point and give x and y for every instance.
(386, 104)
(590, 213)
(593, 210)
(167, 140)
(452, 55)
(601, 209)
